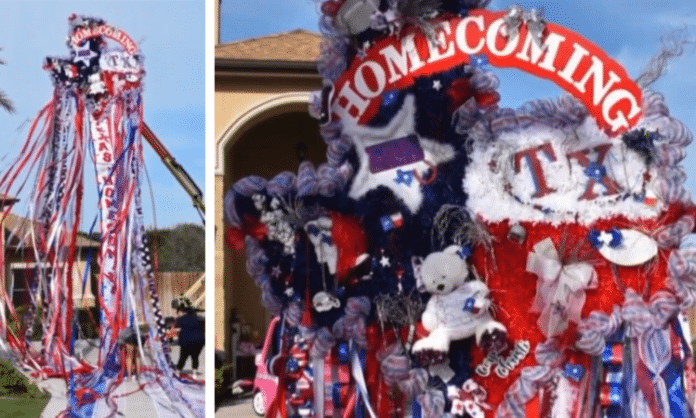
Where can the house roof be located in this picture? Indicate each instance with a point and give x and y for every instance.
(19, 230)
(295, 46)
(293, 54)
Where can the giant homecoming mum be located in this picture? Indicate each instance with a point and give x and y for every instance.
(95, 113)
(560, 282)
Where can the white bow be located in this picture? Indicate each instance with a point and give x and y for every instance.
(561, 289)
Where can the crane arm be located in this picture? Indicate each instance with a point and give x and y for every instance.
(176, 169)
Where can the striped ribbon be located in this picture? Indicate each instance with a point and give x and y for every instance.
(656, 366)
(531, 379)
(351, 326)
(54, 149)
(611, 392)
(113, 131)
(432, 403)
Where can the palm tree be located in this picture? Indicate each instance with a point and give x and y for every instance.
(5, 102)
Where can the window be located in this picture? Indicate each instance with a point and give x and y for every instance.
(21, 285)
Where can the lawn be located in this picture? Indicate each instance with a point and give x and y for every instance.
(22, 407)
(19, 398)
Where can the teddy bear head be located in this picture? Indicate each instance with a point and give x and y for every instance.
(443, 271)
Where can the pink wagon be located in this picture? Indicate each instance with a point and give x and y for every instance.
(265, 383)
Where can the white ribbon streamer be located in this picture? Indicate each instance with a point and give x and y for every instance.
(359, 377)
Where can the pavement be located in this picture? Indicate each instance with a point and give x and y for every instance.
(236, 408)
(134, 399)
(132, 402)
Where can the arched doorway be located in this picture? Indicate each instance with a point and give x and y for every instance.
(272, 141)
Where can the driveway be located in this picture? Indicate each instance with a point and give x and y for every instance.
(133, 400)
(238, 408)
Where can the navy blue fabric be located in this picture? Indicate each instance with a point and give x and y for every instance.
(192, 329)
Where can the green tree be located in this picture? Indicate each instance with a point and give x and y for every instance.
(5, 102)
(181, 248)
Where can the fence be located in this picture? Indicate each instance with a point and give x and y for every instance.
(171, 285)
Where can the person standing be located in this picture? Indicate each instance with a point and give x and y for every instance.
(191, 336)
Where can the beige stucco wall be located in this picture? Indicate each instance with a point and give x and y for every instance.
(220, 331)
(89, 299)
(237, 95)
(217, 21)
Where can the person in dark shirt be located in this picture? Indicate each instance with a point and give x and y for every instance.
(191, 337)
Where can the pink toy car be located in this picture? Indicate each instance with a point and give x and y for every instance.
(265, 384)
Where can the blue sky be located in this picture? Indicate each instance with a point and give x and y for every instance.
(628, 30)
(171, 37)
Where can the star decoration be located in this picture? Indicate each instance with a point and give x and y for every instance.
(479, 61)
(404, 177)
(612, 238)
(289, 292)
(605, 237)
(458, 408)
(276, 271)
(574, 371)
(384, 261)
(389, 98)
(401, 125)
(469, 304)
(386, 222)
(595, 171)
(559, 310)
(437, 85)
(84, 53)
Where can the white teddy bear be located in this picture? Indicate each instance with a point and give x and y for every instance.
(458, 308)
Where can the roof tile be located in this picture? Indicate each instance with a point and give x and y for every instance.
(298, 45)
(18, 231)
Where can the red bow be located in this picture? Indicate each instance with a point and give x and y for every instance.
(251, 227)
(460, 91)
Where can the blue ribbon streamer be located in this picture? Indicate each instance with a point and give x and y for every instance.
(675, 383)
(416, 411)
